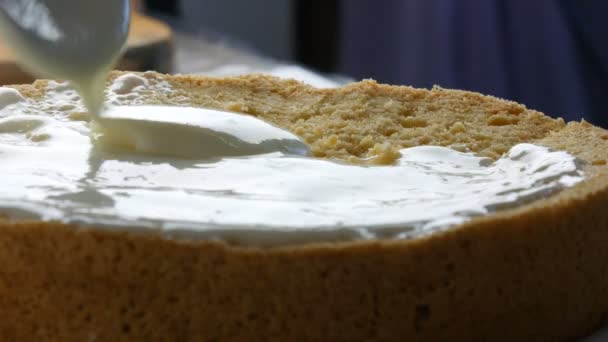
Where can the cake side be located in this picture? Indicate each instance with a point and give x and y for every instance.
(535, 272)
(535, 276)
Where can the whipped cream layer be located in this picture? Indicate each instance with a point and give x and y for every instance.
(53, 170)
(192, 132)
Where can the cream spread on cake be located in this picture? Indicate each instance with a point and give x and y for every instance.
(243, 189)
(192, 132)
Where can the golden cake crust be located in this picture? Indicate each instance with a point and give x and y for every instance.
(533, 273)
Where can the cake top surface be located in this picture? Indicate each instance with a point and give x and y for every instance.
(237, 198)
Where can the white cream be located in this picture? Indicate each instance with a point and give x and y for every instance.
(127, 83)
(9, 96)
(266, 199)
(192, 132)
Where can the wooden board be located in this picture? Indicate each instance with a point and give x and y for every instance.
(149, 47)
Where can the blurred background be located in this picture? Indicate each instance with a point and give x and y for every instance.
(548, 54)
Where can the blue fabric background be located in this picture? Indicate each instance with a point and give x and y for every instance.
(551, 55)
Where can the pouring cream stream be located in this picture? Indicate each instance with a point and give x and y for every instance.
(80, 41)
(75, 40)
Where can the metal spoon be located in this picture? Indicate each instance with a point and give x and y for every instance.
(76, 40)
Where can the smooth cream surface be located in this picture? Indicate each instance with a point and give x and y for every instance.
(192, 132)
(53, 170)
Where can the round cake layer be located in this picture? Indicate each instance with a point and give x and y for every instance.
(537, 272)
